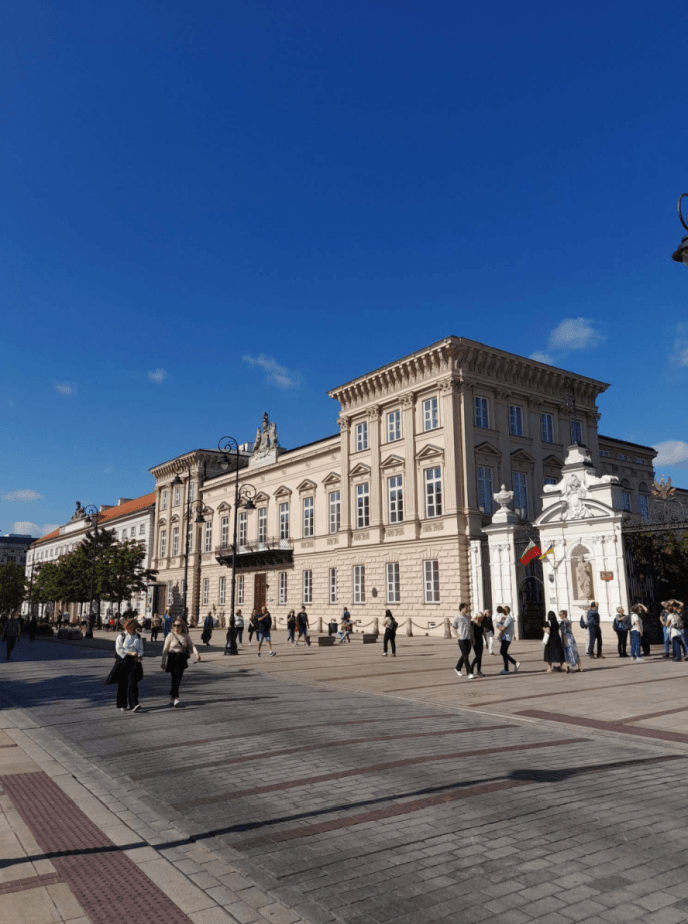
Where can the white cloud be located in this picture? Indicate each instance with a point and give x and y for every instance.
(680, 354)
(24, 496)
(682, 357)
(575, 334)
(158, 376)
(541, 357)
(33, 529)
(672, 453)
(278, 375)
(65, 388)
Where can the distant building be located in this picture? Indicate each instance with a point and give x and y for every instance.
(13, 547)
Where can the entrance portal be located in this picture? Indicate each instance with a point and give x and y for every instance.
(259, 588)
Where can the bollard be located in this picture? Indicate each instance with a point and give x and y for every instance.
(409, 628)
(447, 627)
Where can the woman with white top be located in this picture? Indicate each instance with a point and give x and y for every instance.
(464, 629)
(129, 648)
(636, 630)
(176, 651)
(505, 632)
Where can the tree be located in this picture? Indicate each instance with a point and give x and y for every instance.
(12, 587)
(663, 556)
(122, 574)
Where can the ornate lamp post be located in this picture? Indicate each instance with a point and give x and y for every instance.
(681, 255)
(91, 517)
(570, 407)
(242, 497)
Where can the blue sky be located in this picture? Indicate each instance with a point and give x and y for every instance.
(217, 209)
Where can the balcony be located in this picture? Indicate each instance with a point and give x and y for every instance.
(257, 555)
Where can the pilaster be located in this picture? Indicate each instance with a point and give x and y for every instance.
(375, 487)
(408, 429)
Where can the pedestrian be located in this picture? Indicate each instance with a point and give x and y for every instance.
(129, 648)
(33, 625)
(488, 630)
(239, 626)
(11, 633)
(302, 625)
(478, 644)
(573, 660)
(553, 649)
(464, 630)
(264, 623)
(231, 637)
(675, 622)
(166, 624)
(621, 625)
(668, 608)
(291, 625)
(208, 626)
(636, 630)
(345, 629)
(176, 651)
(504, 631)
(252, 625)
(592, 619)
(59, 620)
(156, 622)
(390, 635)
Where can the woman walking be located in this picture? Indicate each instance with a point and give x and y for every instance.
(291, 625)
(129, 648)
(390, 625)
(478, 643)
(156, 622)
(239, 626)
(573, 660)
(208, 626)
(176, 651)
(252, 625)
(504, 630)
(488, 630)
(554, 650)
(464, 630)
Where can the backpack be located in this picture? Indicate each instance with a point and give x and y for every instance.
(395, 625)
(583, 623)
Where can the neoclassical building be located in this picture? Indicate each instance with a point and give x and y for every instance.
(389, 511)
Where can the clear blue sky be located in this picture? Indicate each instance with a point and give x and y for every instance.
(215, 209)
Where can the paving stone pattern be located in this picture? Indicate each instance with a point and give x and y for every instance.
(353, 807)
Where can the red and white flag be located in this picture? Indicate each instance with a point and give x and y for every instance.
(533, 551)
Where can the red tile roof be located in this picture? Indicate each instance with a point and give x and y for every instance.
(112, 513)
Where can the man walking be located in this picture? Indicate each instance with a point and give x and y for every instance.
(302, 624)
(592, 618)
(464, 630)
(12, 633)
(264, 626)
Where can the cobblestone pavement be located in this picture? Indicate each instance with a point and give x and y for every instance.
(332, 785)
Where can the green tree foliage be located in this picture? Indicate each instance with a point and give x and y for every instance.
(12, 587)
(122, 574)
(664, 558)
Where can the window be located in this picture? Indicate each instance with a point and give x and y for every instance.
(640, 461)
(431, 581)
(163, 543)
(433, 492)
(221, 586)
(177, 496)
(362, 506)
(361, 436)
(189, 537)
(515, 420)
(175, 541)
(142, 529)
(282, 588)
(576, 431)
(393, 426)
(604, 453)
(240, 590)
(550, 480)
(170, 587)
(263, 525)
(392, 574)
(307, 587)
(482, 417)
(644, 506)
(359, 584)
(396, 499)
(206, 591)
(622, 458)
(284, 520)
(243, 528)
(335, 510)
(485, 490)
(307, 516)
(626, 500)
(333, 585)
(520, 495)
(224, 532)
(431, 419)
(547, 428)
(132, 531)
(208, 544)
(163, 505)
(192, 490)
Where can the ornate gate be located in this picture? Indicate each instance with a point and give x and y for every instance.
(531, 589)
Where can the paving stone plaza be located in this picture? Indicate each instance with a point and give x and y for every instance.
(330, 784)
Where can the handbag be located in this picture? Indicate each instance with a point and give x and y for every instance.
(115, 670)
(163, 663)
(545, 638)
(138, 671)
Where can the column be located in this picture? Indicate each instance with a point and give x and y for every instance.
(375, 498)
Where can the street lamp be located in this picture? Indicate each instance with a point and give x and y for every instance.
(681, 255)
(91, 517)
(242, 497)
(35, 566)
(570, 407)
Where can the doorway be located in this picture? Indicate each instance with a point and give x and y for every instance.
(259, 588)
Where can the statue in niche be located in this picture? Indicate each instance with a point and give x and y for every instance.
(266, 438)
(583, 577)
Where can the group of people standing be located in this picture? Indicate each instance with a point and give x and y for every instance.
(480, 630)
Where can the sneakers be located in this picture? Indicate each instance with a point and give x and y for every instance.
(136, 708)
(384, 654)
(272, 654)
(516, 667)
(504, 672)
(470, 676)
(258, 653)
(458, 673)
(123, 709)
(175, 703)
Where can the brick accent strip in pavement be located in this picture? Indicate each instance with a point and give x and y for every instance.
(621, 726)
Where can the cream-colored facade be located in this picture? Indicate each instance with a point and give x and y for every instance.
(389, 512)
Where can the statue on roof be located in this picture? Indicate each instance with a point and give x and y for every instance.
(79, 512)
(266, 438)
